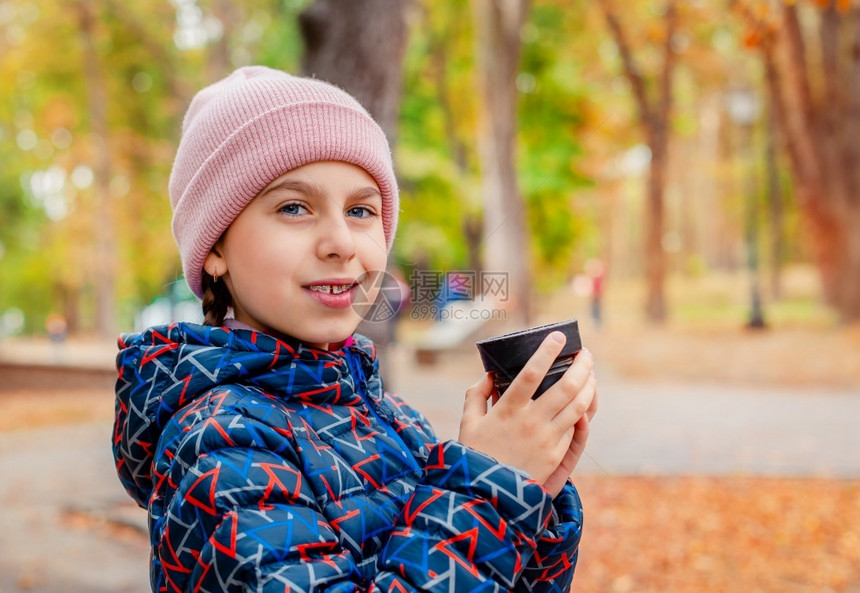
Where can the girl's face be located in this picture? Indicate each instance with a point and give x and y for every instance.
(300, 253)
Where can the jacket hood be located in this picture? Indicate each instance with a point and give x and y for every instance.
(164, 368)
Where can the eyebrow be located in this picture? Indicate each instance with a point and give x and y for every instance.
(312, 190)
(364, 193)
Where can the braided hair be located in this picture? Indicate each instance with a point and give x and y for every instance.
(216, 300)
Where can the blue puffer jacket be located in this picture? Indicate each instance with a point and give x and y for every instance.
(267, 465)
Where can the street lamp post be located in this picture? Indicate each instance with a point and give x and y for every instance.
(743, 108)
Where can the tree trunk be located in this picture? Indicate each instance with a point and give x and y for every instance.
(848, 291)
(820, 128)
(821, 148)
(105, 238)
(655, 261)
(359, 46)
(219, 63)
(498, 24)
(473, 232)
(654, 115)
(851, 121)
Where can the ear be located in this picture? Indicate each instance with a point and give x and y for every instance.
(215, 264)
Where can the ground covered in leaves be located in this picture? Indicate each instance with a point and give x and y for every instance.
(735, 534)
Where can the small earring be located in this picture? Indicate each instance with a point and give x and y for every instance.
(215, 278)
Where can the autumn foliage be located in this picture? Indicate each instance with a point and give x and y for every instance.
(714, 535)
(811, 58)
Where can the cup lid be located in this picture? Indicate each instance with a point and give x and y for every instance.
(511, 351)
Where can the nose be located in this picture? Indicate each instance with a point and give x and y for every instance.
(336, 241)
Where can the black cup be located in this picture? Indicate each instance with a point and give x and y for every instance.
(506, 355)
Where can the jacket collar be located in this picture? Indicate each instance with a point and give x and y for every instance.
(199, 357)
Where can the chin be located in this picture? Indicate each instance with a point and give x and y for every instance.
(329, 337)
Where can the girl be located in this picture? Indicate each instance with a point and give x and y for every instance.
(262, 444)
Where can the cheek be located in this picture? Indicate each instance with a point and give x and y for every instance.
(259, 267)
(373, 249)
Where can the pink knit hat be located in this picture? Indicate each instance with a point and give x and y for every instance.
(246, 130)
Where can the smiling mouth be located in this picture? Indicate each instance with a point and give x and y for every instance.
(331, 288)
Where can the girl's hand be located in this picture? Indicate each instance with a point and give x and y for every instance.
(574, 452)
(543, 437)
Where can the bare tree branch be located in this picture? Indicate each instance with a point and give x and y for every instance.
(631, 69)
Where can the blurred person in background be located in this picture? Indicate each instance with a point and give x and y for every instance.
(596, 271)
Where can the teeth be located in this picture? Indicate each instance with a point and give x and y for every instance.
(331, 289)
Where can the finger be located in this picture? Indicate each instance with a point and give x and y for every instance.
(527, 380)
(580, 437)
(477, 396)
(571, 382)
(573, 443)
(592, 409)
(578, 407)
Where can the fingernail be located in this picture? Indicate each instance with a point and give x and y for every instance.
(557, 337)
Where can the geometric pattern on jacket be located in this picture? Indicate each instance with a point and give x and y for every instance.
(267, 465)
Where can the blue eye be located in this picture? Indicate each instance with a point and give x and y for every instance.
(360, 212)
(293, 209)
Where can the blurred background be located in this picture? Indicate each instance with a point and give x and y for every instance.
(681, 176)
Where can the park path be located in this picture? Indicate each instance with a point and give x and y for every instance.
(684, 428)
(68, 526)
